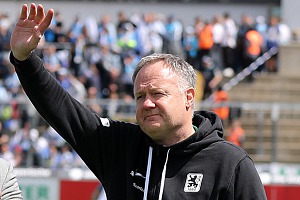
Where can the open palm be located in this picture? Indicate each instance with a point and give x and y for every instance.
(29, 30)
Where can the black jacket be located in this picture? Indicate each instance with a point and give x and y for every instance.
(204, 166)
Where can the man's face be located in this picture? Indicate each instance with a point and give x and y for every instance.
(161, 106)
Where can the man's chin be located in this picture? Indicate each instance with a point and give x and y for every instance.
(152, 130)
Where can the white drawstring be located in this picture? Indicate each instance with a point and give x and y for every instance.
(148, 173)
(163, 177)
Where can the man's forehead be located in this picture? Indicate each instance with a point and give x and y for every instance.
(154, 75)
(156, 83)
(150, 83)
(155, 71)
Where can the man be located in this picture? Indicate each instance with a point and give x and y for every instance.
(170, 154)
(9, 187)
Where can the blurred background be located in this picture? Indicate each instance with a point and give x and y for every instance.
(245, 53)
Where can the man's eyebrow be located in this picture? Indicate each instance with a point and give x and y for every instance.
(138, 92)
(150, 88)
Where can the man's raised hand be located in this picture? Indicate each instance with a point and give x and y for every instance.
(29, 29)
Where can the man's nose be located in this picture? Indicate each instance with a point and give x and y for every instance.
(148, 103)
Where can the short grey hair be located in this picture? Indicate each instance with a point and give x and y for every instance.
(184, 70)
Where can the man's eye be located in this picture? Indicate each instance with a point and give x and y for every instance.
(158, 93)
(139, 97)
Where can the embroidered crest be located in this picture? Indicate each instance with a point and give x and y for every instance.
(193, 182)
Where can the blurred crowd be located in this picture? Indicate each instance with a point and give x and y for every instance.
(94, 59)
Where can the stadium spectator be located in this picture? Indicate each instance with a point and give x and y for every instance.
(90, 78)
(212, 76)
(205, 41)
(190, 45)
(218, 32)
(236, 133)
(107, 34)
(42, 147)
(25, 138)
(261, 26)
(76, 29)
(144, 45)
(253, 48)
(157, 31)
(78, 43)
(55, 157)
(51, 59)
(173, 36)
(66, 158)
(243, 28)
(92, 101)
(273, 39)
(63, 78)
(122, 22)
(220, 100)
(111, 62)
(60, 34)
(128, 38)
(130, 62)
(12, 82)
(285, 33)
(91, 30)
(229, 41)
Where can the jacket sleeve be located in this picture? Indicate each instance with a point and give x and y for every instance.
(246, 183)
(72, 120)
(64, 113)
(9, 185)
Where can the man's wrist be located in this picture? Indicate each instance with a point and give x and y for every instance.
(21, 58)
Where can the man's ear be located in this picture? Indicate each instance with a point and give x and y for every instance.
(190, 98)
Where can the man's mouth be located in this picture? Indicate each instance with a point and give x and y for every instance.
(151, 116)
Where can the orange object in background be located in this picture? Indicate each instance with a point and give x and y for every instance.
(220, 96)
(236, 134)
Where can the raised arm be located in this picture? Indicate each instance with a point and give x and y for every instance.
(29, 29)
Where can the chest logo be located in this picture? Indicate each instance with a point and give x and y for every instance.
(193, 182)
(133, 174)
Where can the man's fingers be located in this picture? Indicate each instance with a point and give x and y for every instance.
(32, 12)
(40, 14)
(24, 11)
(46, 22)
